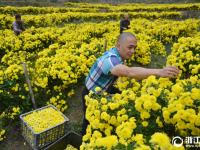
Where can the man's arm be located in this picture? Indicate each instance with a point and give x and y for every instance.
(140, 73)
(128, 25)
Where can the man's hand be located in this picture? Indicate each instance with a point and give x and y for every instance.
(171, 72)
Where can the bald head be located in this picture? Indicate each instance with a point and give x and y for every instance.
(123, 37)
(126, 44)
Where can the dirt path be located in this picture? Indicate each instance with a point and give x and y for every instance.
(74, 112)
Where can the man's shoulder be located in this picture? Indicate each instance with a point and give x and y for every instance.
(110, 53)
(110, 57)
(105, 57)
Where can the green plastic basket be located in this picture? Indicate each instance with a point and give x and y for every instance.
(39, 140)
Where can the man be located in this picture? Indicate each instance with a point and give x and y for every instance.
(124, 23)
(18, 26)
(110, 66)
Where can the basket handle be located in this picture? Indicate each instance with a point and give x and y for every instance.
(29, 84)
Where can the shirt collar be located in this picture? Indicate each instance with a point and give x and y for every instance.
(115, 51)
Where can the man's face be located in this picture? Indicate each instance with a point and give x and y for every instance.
(127, 47)
(126, 16)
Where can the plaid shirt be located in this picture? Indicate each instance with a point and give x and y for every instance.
(100, 75)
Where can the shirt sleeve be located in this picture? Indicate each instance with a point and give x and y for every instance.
(15, 26)
(109, 63)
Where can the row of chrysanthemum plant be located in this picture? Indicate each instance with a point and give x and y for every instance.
(95, 8)
(152, 36)
(60, 19)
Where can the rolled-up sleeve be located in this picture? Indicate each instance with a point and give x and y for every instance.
(15, 26)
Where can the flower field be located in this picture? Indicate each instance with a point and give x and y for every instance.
(60, 45)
